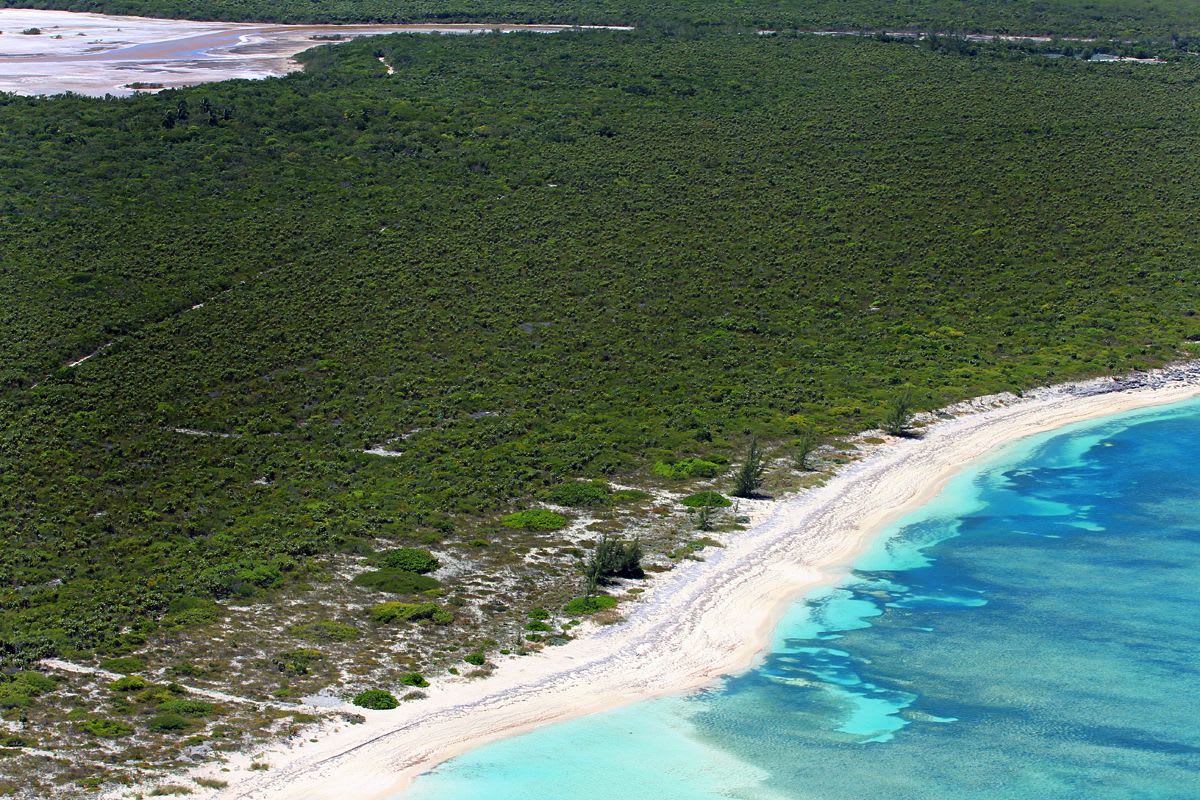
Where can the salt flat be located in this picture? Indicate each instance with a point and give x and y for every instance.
(50, 52)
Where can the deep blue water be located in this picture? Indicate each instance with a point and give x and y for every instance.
(1032, 634)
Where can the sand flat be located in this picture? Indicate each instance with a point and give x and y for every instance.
(99, 54)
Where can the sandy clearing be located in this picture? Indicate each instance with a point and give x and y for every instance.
(697, 623)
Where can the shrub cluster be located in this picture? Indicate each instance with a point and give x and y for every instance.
(706, 500)
(580, 494)
(535, 519)
(411, 612)
(408, 559)
(589, 605)
(686, 468)
(395, 581)
(377, 699)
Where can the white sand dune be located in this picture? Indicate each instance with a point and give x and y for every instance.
(698, 622)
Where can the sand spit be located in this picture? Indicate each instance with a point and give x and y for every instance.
(698, 622)
(50, 52)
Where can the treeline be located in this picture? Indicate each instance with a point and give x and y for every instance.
(1119, 19)
(526, 259)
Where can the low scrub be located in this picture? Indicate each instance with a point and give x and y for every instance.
(414, 679)
(411, 612)
(589, 605)
(686, 468)
(326, 631)
(376, 699)
(706, 500)
(107, 728)
(408, 559)
(186, 707)
(169, 722)
(395, 581)
(581, 494)
(535, 519)
(130, 683)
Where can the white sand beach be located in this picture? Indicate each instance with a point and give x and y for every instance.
(695, 623)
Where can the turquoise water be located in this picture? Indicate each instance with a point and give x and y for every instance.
(1032, 633)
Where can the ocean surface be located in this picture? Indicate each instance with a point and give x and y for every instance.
(1032, 634)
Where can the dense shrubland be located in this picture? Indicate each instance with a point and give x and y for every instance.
(539, 259)
(1111, 18)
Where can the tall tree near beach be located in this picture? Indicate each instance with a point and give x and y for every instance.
(749, 476)
(898, 421)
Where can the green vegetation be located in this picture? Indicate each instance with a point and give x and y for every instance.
(123, 664)
(395, 581)
(411, 612)
(613, 558)
(187, 708)
(842, 309)
(550, 260)
(581, 494)
(749, 477)
(169, 722)
(899, 413)
(409, 559)
(377, 699)
(686, 468)
(413, 679)
(706, 500)
(589, 605)
(327, 631)
(130, 683)
(1117, 18)
(107, 728)
(803, 448)
(535, 519)
(476, 658)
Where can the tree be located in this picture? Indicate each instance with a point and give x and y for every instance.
(749, 477)
(703, 518)
(805, 445)
(896, 422)
(612, 558)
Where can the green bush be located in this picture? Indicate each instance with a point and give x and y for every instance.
(537, 625)
(706, 500)
(186, 707)
(535, 519)
(123, 664)
(580, 494)
(630, 496)
(589, 605)
(107, 728)
(376, 699)
(185, 611)
(477, 658)
(408, 559)
(297, 662)
(326, 631)
(130, 683)
(34, 683)
(539, 613)
(395, 581)
(13, 695)
(411, 612)
(168, 722)
(686, 468)
(414, 679)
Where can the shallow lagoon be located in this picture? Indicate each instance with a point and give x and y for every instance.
(1029, 634)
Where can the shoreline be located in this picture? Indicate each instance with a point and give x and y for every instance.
(702, 620)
